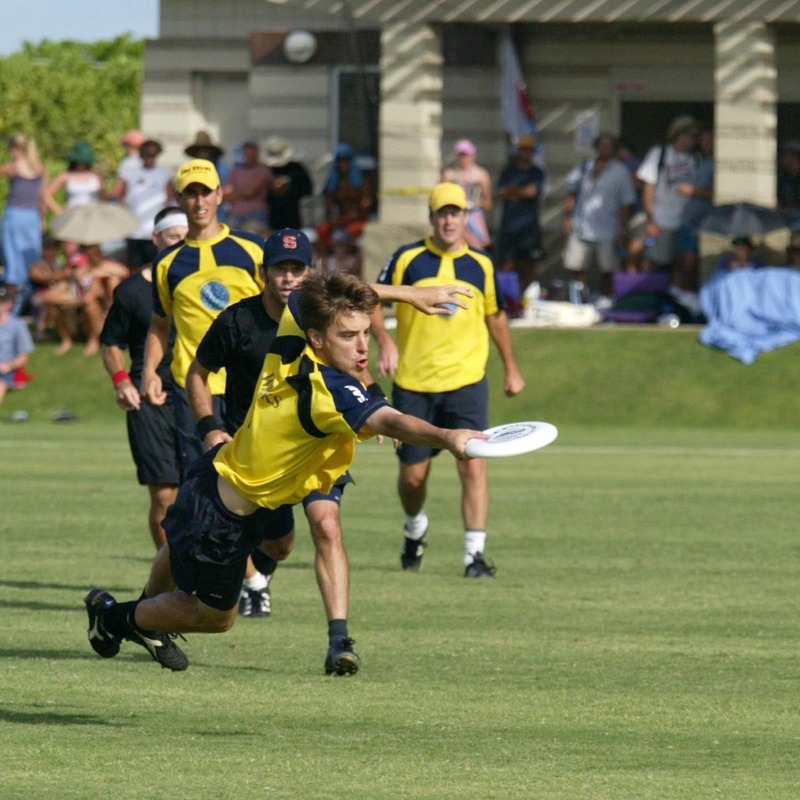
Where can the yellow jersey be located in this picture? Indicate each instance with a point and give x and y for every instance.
(195, 280)
(300, 432)
(442, 353)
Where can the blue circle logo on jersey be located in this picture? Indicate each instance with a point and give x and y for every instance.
(215, 295)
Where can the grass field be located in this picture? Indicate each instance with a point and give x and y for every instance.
(640, 639)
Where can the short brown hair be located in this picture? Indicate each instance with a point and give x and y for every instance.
(323, 297)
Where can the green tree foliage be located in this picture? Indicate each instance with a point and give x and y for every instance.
(64, 92)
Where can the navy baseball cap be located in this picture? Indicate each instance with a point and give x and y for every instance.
(287, 244)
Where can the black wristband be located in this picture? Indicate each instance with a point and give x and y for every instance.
(206, 425)
(374, 390)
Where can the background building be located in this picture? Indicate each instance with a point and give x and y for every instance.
(402, 81)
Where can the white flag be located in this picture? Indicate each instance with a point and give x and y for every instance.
(518, 119)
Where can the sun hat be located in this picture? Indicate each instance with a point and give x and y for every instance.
(198, 170)
(278, 152)
(526, 141)
(447, 194)
(81, 153)
(202, 144)
(679, 126)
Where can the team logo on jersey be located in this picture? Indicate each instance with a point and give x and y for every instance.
(357, 393)
(215, 295)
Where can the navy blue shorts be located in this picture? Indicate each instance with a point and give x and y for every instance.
(208, 545)
(335, 494)
(154, 444)
(467, 407)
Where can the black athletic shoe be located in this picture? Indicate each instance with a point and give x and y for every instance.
(341, 659)
(102, 642)
(411, 554)
(479, 568)
(161, 647)
(255, 603)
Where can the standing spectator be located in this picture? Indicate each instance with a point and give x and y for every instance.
(633, 254)
(15, 341)
(347, 197)
(668, 173)
(246, 193)
(203, 147)
(477, 185)
(598, 205)
(22, 218)
(290, 183)
(145, 190)
(440, 374)
(131, 142)
(686, 271)
(151, 428)
(519, 188)
(81, 184)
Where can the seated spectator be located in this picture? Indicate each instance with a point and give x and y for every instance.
(348, 199)
(15, 341)
(45, 273)
(741, 257)
(793, 253)
(345, 254)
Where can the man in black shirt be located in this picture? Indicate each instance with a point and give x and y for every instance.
(151, 429)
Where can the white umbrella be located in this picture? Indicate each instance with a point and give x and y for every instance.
(94, 223)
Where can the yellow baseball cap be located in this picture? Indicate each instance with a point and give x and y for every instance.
(447, 194)
(198, 170)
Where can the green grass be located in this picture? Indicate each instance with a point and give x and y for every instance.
(640, 640)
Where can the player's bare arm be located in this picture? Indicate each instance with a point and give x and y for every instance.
(154, 350)
(427, 299)
(498, 330)
(127, 395)
(390, 422)
(198, 395)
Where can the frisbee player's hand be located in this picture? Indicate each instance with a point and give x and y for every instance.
(153, 391)
(128, 398)
(213, 438)
(387, 359)
(440, 300)
(457, 441)
(514, 384)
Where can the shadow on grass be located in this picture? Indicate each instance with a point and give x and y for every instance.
(52, 718)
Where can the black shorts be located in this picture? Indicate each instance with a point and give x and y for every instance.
(467, 407)
(190, 446)
(208, 545)
(521, 245)
(154, 444)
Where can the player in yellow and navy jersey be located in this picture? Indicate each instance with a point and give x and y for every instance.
(193, 282)
(439, 374)
(309, 409)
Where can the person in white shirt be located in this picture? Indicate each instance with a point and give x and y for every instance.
(599, 201)
(668, 176)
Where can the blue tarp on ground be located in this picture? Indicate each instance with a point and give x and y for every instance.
(751, 311)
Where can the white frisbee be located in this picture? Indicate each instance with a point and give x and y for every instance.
(512, 439)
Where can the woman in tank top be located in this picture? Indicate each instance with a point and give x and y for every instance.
(477, 184)
(22, 218)
(82, 185)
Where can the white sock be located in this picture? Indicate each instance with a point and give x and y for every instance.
(416, 525)
(474, 543)
(256, 583)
